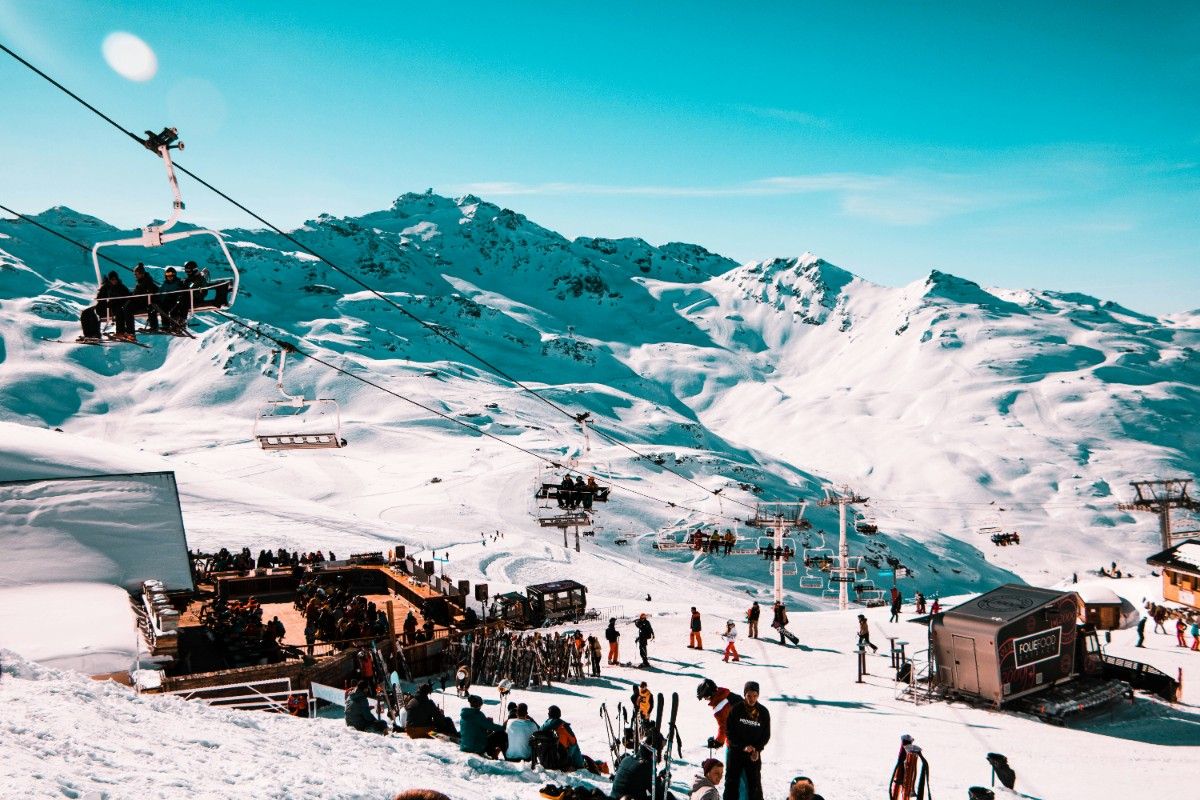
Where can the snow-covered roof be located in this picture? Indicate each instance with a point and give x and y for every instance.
(1185, 557)
(87, 627)
(1098, 595)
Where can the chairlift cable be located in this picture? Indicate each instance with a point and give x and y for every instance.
(291, 348)
(355, 279)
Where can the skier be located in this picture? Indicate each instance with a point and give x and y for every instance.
(594, 653)
(864, 634)
(643, 700)
(706, 783)
(142, 300)
(897, 600)
(645, 634)
(566, 493)
(172, 301)
(1180, 630)
(612, 635)
(1141, 631)
(721, 701)
(779, 619)
(749, 730)
(730, 637)
(694, 641)
(752, 620)
(110, 301)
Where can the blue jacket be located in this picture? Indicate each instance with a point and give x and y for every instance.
(473, 730)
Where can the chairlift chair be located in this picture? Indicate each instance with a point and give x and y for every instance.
(810, 581)
(872, 598)
(868, 526)
(830, 593)
(156, 236)
(297, 423)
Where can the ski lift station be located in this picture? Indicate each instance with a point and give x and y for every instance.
(1180, 567)
(1007, 643)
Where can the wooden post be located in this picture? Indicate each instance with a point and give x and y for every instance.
(862, 662)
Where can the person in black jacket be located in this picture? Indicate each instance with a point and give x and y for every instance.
(145, 292)
(634, 777)
(358, 710)
(748, 730)
(645, 634)
(110, 302)
(613, 636)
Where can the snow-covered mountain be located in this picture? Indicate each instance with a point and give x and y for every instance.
(952, 405)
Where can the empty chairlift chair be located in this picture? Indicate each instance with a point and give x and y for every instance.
(297, 423)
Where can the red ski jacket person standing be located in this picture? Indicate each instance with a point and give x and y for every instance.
(721, 701)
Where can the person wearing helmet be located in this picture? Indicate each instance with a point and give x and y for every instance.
(645, 634)
(720, 700)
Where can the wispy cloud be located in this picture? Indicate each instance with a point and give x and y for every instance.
(915, 199)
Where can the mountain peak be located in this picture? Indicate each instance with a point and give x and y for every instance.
(943, 287)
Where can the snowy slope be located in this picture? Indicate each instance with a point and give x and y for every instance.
(781, 376)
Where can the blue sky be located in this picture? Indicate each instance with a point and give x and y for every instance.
(1049, 145)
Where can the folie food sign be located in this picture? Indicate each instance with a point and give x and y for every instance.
(1037, 647)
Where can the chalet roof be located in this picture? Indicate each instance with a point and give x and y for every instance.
(1183, 557)
(1006, 603)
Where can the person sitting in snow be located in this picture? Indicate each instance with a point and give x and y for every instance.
(477, 733)
(358, 710)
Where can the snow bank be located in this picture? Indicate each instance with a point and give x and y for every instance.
(87, 627)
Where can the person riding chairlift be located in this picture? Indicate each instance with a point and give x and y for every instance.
(110, 302)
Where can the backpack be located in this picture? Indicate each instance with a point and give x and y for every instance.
(547, 750)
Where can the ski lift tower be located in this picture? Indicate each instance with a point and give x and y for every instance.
(1159, 497)
(844, 573)
(778, 549)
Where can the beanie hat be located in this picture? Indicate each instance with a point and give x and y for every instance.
(475, 700)
(113, 274)
(709, 763)
(751, 686)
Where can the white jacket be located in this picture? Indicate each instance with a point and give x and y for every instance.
(730, 635)
(519, 731)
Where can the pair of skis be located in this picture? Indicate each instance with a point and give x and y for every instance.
(663, 756)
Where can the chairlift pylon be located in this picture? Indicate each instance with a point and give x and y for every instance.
(297, 423)
(225, 289)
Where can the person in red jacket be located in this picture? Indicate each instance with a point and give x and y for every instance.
(720, 700)
(1180, 630)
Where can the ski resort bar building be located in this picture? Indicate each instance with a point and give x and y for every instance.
(1005, 644)
(1180, 567)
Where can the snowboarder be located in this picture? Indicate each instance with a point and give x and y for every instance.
(749, 730)
(645, 634)
(897, 600)
(694, 641)
(110, 302)
(612, 635)
(706, 783)
(1141, 631)
(752, 620)
(864, 634)
(730, 637)
(721, 701)
(779, 620)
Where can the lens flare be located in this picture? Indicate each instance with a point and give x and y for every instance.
(129, 56)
